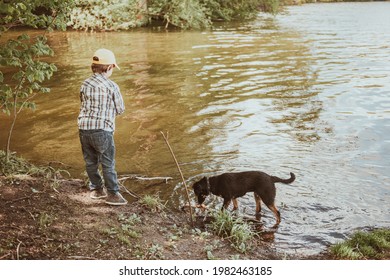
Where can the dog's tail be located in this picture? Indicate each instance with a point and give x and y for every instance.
(284, 181)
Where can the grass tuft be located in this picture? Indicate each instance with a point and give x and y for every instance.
(17, 166)
(364, 245)
(152, 202)
(234, 228)
(14, 166)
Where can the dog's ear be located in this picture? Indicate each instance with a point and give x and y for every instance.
(204, 185)
(197, 184)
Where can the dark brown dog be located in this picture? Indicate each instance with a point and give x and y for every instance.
(232, 185)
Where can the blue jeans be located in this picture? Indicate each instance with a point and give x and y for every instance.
(99, 148)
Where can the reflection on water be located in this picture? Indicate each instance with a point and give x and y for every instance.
(304, 92)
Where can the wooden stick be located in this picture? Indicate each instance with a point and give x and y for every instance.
(133, 194)
(17, 249)
(6, 255)
(181, 174)
(19, 199)
(81, 258)
(143, 178)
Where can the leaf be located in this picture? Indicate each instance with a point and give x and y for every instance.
(18, 76)
(210, 256)
(6, 90)
(24, 37)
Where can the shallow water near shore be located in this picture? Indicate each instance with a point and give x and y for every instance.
(306, 92)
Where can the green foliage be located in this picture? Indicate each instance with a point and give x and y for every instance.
(14, 165)
(239, 9)
(126, 14)
(45, 220)
(238, 231)
(197, 14)
(200, 14)
(106, 15)
(152, 202)
(21, 58)
(34, 13)
(180, 13)
(364, 245)
(127, 226)
(129, 221)
(270, 6)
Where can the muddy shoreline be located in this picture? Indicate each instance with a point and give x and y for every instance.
(42, 222)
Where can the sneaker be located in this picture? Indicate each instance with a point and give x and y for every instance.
(98, 193)
(115, 199)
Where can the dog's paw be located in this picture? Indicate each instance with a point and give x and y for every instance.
(201, 206)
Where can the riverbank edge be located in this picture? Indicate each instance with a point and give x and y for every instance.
(44, 214)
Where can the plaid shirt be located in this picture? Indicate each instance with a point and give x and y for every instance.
(101, 101)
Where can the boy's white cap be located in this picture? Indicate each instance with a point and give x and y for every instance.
(104, 57)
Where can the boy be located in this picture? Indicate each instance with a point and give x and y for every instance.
(101, 101)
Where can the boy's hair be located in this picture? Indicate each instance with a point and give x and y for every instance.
(99, 68)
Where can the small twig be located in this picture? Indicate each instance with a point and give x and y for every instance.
(18, 199)
(154, 178)
(32, 216)
(17, 249)
(205, 215)
(4, 256)
(25, 101)
(59, 163)
(143, 178)
(133, 194)
(181, 174)
(9, 226)
(81, 258)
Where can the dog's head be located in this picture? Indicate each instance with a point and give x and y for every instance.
(201, 190)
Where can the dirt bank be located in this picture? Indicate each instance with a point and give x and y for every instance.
(39, 221)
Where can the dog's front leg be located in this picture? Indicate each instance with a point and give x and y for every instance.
(258, 203)
(226, 203)
(235, 204)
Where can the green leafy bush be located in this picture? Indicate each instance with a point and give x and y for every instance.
(34, 13)
(106, 15)
(200, 14)
(180, 13)
(197, 14)
(239, 9)
(21, 57)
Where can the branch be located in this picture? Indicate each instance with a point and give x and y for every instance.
(17, 249)
(4, 256)
(19, 199)
(25, 101)
(181, 174)
(143, 178)
(133, 194)
(81, 258)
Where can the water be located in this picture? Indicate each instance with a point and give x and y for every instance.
(307, 91)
